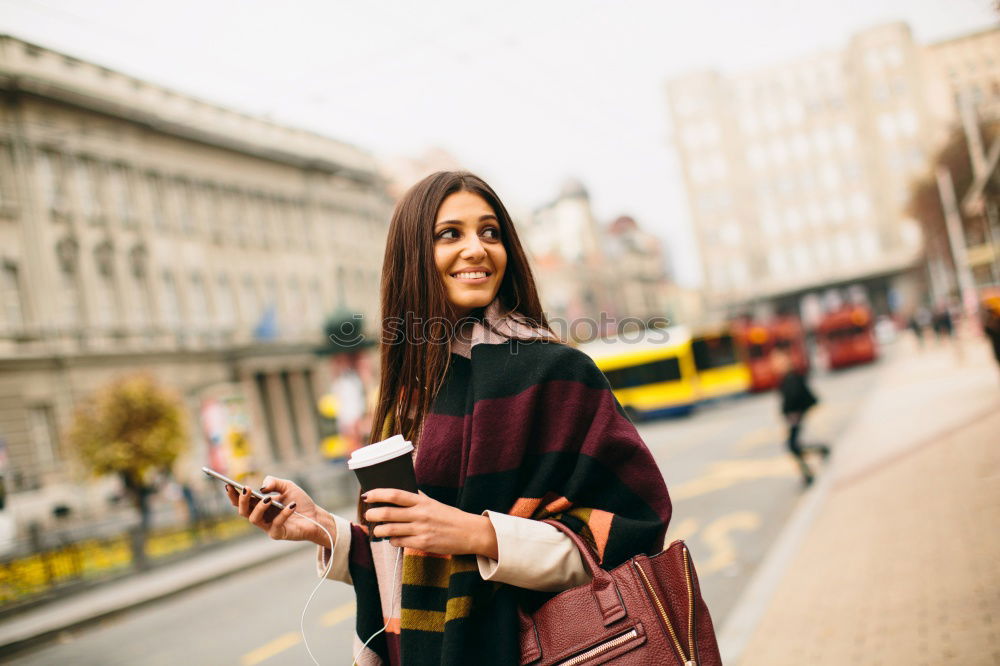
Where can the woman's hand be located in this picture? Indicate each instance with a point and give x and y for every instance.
(284, 526)
(428, 525)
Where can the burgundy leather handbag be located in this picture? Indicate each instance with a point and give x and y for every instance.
(648, 610)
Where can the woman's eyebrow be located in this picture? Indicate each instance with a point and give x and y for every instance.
(483, 218)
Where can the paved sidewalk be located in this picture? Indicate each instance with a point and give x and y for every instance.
(894, 558)
(49, 619)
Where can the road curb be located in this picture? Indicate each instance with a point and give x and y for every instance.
(43, 624)
(756, 598)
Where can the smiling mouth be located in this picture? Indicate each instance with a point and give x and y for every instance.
(471, 275)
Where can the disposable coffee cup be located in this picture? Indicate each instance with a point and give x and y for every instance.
(385, 464)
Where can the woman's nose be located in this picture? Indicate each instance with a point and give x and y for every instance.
(473, 248)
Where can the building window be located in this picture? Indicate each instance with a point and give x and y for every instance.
(250, 302)
(157, 201)
(171, 301)
(271, 300)
(225, 301)
(44, 437)
(777, 262)
(11, 297)
(142, 308)
(887, 126)
(88, 181)
(200, 311)
(214, 206)
(70, 309)
(295, 304)
(315, 305)
(184, 196)
(121, 195)
(106, 300)
(52, 176)
(7, 187)
(868, 243)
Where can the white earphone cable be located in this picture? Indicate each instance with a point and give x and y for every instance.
(329, 566)
(326, 572)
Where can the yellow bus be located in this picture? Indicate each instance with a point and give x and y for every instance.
(652, 373)
(722, 371)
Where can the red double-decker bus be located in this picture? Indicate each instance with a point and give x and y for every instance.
(847, 337)
(757, 342)
(789, 337)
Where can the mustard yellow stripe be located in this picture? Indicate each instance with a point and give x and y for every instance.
(434, 571)
(422, 620)
(458, 607)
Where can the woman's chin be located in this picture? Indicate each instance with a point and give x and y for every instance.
(466, 306)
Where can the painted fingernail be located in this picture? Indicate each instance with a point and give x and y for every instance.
(262, 489)
(364, 497)
(293, 505)
(267, 500)
(244, 490)
(226, 487)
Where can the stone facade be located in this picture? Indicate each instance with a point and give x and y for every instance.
(144, 229)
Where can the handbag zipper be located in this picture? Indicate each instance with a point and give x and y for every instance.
(666, 619)
(690, 589)
(617, 641)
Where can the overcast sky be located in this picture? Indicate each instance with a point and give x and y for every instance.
(527, 93)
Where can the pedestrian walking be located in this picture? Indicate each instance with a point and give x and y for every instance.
(942, 322)
(510, 427)
(796, 399)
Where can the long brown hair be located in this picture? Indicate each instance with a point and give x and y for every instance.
(416, 314)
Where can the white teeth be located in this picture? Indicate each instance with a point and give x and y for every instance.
(471, 276)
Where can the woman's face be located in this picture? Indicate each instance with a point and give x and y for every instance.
(468, 251)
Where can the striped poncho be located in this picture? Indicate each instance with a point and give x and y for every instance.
(528, 428)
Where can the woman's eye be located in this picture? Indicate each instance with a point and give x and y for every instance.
(492, 233)
(449, 234)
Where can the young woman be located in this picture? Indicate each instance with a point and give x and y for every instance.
(510, 428)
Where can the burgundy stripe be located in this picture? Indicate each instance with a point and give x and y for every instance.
(361, 551)
(544, 418)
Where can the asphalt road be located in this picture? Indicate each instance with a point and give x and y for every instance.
(733, 488)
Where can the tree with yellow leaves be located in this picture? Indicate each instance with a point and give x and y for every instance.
(133, 428)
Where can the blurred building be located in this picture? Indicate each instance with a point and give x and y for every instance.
(797, 174)
(641, 269)
(143, 229)
(591, 277)
(403, 172)
(575, 279)
(969, 64)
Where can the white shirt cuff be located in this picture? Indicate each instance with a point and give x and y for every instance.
(532, 555)
(339, 569)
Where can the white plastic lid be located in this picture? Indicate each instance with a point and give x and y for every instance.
(379, 452)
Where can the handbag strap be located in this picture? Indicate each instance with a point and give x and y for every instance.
(602, 585)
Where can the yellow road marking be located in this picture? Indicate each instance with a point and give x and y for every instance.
(716, 536)
(726, 473)
(683, 530)
(338, 614)
(760, 437)
(279, 644)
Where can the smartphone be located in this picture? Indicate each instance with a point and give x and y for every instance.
(272, 510)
